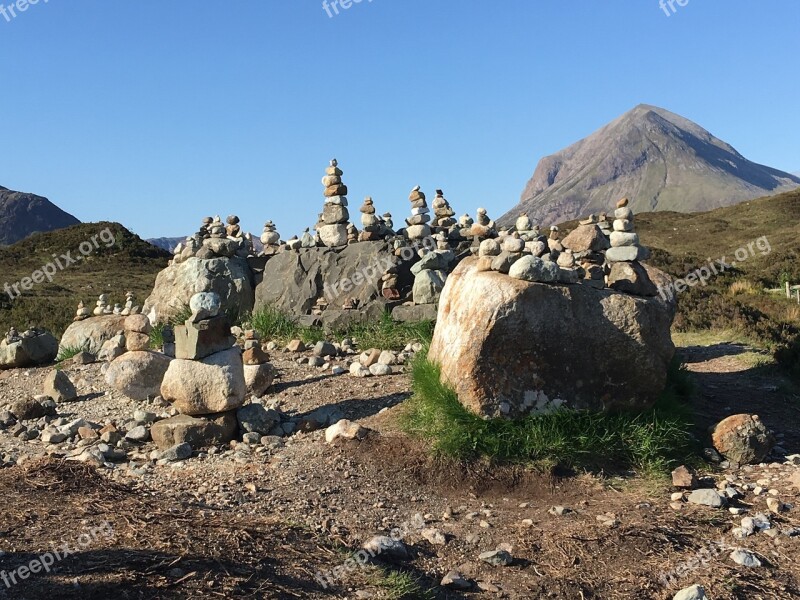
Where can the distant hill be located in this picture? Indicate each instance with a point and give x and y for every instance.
(23, 214)
(129, 264)
(166, 243)
(170, 243)
(658, 159)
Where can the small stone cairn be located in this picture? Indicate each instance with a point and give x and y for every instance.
(332, 227)
(371, 223)
(82, 313)
(103, 308)
(418, 228)
(483, 227)
(443, 214)
(270, 238)
(527, 231)
(131, 308)
(626, 274)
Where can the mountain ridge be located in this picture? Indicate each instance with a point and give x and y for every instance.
(659, 159)
(23, 214)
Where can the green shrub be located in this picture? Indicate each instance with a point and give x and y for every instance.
(651, 441)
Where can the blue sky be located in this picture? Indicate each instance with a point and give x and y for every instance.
(157, 113)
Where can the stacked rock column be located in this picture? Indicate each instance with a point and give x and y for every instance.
(626, 274)
(332, 228)
(418, 227)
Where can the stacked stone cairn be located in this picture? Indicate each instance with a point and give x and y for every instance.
(214, 239)
(483, 227)
(626, 273)
(270, 238)
(588, 244)
(258, 372)
(130, 305)
(206, 382)
(332, 228)
(418, 228)
(352, 234)
(388, 223)
(137, 333)
(390, 284)
(82, 313)
(371, 223)
(443, 214)
(526, 229)
(103, 308)
(430, 275)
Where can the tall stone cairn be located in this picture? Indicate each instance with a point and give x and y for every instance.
(332, 228)
(418, 227)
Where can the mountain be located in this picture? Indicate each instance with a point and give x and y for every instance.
(166, 243)
(658, 159)
(170, 243)
(23, 214)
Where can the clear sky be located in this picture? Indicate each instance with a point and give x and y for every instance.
(157, 113)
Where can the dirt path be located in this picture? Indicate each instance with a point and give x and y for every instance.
(734, 378)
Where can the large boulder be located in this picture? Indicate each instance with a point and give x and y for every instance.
(743, 439)
(198, 432)
(40, 349)
(230, 278)
(213, 385)
(138, 375)
(90, 334)
(293, 281)
(513, 348)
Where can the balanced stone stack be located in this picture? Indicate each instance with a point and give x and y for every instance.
(418, 227)
(587, 244)
(206, 382)
(352, 234)
(443, 214)
(258, 372)
(218, 244)
(483, 227)
(390, 284)
(388, 223)
(103, 308)
(525, 228)
(430, 275)
(332, 228)
(626, 273)
(82, 313)
(270, 238)
(370, 222)
(604, 225)
(137, 333)
(130, 305)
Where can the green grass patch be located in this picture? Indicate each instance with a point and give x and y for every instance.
(67, 353)
(388, 334)
(398, 585)
(385, 334)
(651, 442)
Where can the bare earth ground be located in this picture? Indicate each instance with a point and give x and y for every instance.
(261, 523)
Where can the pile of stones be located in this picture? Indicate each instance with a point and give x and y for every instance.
(418, 228)
(483, 227)
(443, 214)
(270, 238)
(430, 275)
(332, 228)
(373, 227)
(30, 348)
(215, 239)
(526, 229)
(626, 273)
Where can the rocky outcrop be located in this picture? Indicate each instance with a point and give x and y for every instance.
(40, 348)
(512, 348)
(90, 334)
(293, 281)
(230, 278)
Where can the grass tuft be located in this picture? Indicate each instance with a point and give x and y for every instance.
(652, 441)
(67, 353)
(402, 586)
